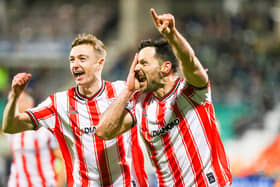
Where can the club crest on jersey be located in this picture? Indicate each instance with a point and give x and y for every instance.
(166, 128)
(72, 110)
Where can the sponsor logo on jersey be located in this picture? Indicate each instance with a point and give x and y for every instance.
(89, 130)
(166, 128)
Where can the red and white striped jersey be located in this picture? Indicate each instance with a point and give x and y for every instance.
(89, 160)
(33, 159)
(181, 136)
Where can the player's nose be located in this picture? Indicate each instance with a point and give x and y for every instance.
(75, 63)
(137, 67)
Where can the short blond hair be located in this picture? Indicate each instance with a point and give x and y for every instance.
(92, 40)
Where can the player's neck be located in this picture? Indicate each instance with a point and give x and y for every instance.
(90, 90)
(167, 86)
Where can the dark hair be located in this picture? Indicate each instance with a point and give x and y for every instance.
(163, 51)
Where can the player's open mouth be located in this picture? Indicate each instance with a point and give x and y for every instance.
(78, 74)
(140, 77)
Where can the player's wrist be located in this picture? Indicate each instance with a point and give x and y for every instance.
(13, 95)
(171, 36)
(128, 91)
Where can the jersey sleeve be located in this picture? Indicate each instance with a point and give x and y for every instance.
(199, 95)
(43, 114)
(130, 107)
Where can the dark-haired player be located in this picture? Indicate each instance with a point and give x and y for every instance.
(175, 115)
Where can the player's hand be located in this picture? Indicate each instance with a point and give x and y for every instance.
(132, 82)
(19, 82)
(165, 23)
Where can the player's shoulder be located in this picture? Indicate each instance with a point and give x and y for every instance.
(62, 93)
(118, 84)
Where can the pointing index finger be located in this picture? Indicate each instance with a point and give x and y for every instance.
(154, 15)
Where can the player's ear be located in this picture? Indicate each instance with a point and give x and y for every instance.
(101, 61)
(166, 67)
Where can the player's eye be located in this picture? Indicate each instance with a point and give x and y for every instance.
(143, 63)
(83, 59)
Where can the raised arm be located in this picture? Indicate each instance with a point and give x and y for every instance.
(116, 119)
(189, 63)
(15, 121)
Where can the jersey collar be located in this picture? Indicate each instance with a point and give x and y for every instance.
(175, 86)
(85, 98)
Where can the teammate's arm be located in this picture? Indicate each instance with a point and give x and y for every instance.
(61, 169)
(116, 119)
(189, 63)
(13, 120)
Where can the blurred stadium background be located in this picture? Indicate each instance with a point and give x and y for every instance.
(237, 40)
